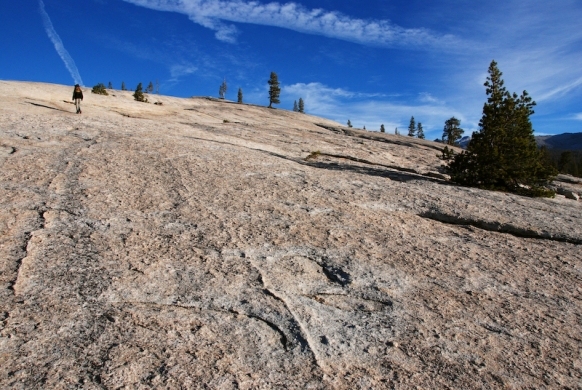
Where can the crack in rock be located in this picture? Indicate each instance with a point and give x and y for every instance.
(25, 248)
(282, 336)
(350, 303)
(273, 326)
(27, 238)
(306, 341)
(498, 227)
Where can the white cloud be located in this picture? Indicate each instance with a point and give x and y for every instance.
(178, 70)
(578, 116)
(59, 47)
(372, 110)
(293, 16)
(426, 97)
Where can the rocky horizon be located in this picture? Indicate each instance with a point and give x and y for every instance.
(200, 243)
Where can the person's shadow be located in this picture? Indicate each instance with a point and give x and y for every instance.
(49, 107)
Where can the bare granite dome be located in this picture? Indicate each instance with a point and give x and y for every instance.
(200, 243)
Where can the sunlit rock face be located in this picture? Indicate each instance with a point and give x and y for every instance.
(200, 243)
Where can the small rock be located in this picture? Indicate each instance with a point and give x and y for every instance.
(6, 150)
(568, 193)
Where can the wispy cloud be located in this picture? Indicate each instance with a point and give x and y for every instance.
(578, 116)
(561, 90)
(426, 97)
(59, 47)
(179, 70)
(213, 13)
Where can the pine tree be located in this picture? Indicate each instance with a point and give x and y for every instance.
(503, 154)
(419, 131)
(411, 127)
(123, 86)
(222, 89)
(274, 89)
(382, 129)
(396, 132)
(295, 106)
(364, 127)
(110, 86)
(349, 123)
(452, 133)
(138, 95)
(150, 87)
(240, 95)
(301, 106)
(157, 87)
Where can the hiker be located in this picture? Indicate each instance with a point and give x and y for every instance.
(77, 97)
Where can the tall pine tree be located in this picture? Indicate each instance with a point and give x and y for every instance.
(503, 154)
(301, 106)
(382, 128)
(411, 127)
(295, 106)
(240, 95)
(274, 89)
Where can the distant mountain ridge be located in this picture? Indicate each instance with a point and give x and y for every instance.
(565, 141)
(464, 142)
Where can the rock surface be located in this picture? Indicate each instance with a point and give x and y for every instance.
(193, 244)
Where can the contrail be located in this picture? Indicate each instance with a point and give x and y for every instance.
(59, 47)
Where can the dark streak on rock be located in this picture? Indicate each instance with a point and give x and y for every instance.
(360, 160)
(336, 275)
(269, 293)
(494, 226)
(283, 337)
(496, 329)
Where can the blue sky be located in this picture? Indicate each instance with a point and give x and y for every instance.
(372, 61)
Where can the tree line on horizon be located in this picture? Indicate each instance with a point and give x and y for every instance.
(452, 133)
(274, 93)
(100, 89)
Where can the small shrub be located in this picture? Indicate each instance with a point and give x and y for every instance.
(138, 95)
(313, 155)
(99, 89)
(225, 121)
